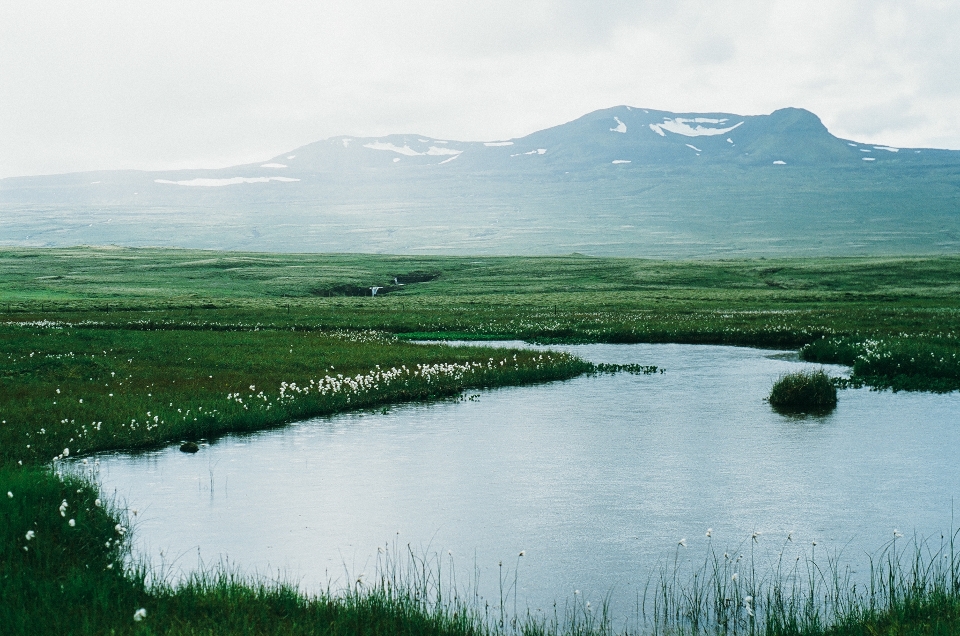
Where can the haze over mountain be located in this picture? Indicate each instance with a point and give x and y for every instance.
(620, 181)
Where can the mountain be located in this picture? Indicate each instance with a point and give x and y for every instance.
(619, 181)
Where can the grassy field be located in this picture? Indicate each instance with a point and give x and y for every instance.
(895, 320)
(125, 348)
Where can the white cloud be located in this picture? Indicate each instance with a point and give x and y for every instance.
(177, 84)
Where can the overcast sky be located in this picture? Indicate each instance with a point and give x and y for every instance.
(96, 85)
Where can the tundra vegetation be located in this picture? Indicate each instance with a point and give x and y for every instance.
(804, 392)
(125, 348)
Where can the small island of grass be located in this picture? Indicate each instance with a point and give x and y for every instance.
(804, 392)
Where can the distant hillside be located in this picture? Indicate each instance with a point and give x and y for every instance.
(620, 181)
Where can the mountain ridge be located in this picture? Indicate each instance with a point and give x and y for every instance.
(619, 181)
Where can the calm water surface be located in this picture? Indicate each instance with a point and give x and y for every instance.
(596, 479)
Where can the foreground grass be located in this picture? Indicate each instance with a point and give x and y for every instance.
(66, 568)
(913, 587)
(70, 579)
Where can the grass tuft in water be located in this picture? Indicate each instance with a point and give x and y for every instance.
(804, 392)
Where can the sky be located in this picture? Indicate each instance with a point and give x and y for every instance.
(175, 84)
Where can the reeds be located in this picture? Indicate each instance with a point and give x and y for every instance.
(911, 587)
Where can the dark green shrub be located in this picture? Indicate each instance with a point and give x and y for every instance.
(803, 392)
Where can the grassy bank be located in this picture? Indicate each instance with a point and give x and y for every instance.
(66, 568)
(92, 389)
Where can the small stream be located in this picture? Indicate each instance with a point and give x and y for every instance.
(595, 479)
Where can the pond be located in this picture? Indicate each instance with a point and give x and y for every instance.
(595, 479)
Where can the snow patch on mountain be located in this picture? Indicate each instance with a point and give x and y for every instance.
(497, 143)
(216, 183)
(620, 161)
(681, 126)
(273, 165)
(869, 158)
(621, 127)
(450, 159)
(778, 162)
(405, 150)
(694, 147)
(442, 151)
(887, 148)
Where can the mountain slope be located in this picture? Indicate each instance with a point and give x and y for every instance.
(619, 181)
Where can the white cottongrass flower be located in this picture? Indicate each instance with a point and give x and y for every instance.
(682, 543)
(754, 536)
(897, 534)
(140, 614)
(30, 534)
(97, 503)
(523, 552)
(71, 523)
(734, 577)
(66, 452)
(9, 494)
(120, 529)
(709, 532)
(747, 603)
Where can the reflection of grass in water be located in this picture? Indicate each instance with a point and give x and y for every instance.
(72, 580)
(804, 392)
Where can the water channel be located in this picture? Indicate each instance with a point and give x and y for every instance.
(595, 479)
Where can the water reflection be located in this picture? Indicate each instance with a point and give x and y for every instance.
(596, 479)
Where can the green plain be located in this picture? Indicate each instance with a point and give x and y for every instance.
(137, 334)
